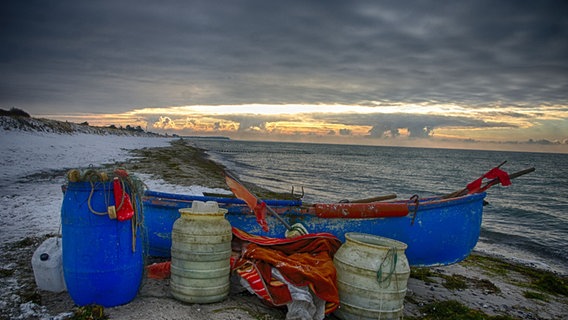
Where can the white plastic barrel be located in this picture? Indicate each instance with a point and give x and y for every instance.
(201, 253)
(47, 264)
(372, 276)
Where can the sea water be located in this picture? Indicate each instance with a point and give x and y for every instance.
(526, 221)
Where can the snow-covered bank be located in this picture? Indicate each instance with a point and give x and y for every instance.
(32, 170)
(25, 153)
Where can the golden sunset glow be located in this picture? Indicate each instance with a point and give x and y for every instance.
(348, 123)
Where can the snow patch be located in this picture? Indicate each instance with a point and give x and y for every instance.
(33, 167)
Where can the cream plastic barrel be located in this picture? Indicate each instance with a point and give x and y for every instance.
(201, 253)
(372, 277)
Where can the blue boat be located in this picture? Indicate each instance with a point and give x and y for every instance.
(161, 210)
(438, 230)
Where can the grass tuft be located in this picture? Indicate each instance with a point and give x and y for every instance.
(535, 295)
(90, 312)
(550, 283)
(455, 282)
(423, 274)
(455, 310)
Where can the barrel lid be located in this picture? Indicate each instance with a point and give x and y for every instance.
(200, 207)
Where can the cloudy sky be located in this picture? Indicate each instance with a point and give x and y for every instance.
(473, 74)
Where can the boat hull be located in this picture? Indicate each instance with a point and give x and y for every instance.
(437, 231)
(161, 210)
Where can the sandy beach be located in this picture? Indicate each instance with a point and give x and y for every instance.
(481, 287)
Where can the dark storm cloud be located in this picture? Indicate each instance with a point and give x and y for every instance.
(111, 56)
(418, 126)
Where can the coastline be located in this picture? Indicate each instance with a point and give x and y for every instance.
(482, 284)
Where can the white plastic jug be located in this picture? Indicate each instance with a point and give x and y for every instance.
(47, 264)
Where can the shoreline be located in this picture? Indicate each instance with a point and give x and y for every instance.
(480, 284)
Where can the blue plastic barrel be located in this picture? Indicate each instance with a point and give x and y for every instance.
(99, 264)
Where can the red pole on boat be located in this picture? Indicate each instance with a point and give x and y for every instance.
(496, 175)
(258, 206)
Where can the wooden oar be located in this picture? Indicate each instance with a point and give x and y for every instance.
(488, 184)
(373, 199)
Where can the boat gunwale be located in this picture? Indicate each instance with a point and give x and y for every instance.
(296, 207)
